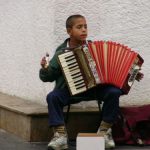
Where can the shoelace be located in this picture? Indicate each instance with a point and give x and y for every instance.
(56, 135)
(109, 136)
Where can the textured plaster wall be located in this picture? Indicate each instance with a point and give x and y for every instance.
(30, 28)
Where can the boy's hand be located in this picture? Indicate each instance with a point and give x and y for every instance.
(43, 62)
(139, 76)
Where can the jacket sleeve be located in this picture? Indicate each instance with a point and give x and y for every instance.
(53, 71)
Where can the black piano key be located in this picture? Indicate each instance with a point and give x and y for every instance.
(71, 67)
(70, 59)
(77, 76)
(78, 84)
(80, 87)
(78, 81)
(69, 56)
(75, 73)
(72, 63)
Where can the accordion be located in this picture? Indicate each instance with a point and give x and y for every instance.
(100, 62)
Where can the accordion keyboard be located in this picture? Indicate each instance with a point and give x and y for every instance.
(72, 72)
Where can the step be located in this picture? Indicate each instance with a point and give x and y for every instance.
(29, 120)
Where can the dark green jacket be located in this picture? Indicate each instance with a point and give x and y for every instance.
(53, 72)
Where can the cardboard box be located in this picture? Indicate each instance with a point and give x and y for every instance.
(90, 141)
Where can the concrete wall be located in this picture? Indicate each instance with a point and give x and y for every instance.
(29, 28)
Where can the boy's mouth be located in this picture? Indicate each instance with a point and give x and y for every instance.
(84, 35)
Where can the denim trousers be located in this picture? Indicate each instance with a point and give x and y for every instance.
(58, 98)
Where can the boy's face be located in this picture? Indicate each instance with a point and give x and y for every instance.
(78, 32)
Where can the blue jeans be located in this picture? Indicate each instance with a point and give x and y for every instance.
(59, 98)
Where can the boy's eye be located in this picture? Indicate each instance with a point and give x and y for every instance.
(81, 26)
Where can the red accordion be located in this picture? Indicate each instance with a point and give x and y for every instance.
(100, 62)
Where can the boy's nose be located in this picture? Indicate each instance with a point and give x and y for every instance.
(84, 29)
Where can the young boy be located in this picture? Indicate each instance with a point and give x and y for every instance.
(77, 29)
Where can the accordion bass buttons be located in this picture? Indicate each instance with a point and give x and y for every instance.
(133, 73)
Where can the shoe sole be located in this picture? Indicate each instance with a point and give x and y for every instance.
(65, 147)
(110, 147)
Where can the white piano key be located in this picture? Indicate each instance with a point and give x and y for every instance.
(72, 72)
(74, 91)
(73, 65)
(70, 79)
(76, 75)
(66, 55)
(64, 64)
(69, 62)
(66, 69)
(69, 58)
(77, 83)
(78, 79)
(70, 69)
(77, 88)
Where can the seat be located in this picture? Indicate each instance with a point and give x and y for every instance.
(99, 102)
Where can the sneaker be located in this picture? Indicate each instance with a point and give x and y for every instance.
(109, 142)
(58, 142)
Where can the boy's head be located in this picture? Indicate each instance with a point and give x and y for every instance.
(76, 27)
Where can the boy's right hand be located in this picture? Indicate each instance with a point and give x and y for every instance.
(43, 62)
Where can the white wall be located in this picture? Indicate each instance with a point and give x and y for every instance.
(29, 28)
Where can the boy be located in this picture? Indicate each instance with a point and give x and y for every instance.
(77, 29)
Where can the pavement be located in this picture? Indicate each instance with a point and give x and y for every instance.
(9, 141)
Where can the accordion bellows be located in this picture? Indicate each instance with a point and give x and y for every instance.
(100, 62)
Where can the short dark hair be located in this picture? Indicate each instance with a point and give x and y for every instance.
(70, 19)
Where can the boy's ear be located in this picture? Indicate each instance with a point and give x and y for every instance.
(69, 31)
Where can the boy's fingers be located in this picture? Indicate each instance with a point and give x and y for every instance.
(43, 62)
(140, 76)
(44, 59)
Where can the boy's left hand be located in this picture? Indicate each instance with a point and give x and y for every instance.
(139, 76)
